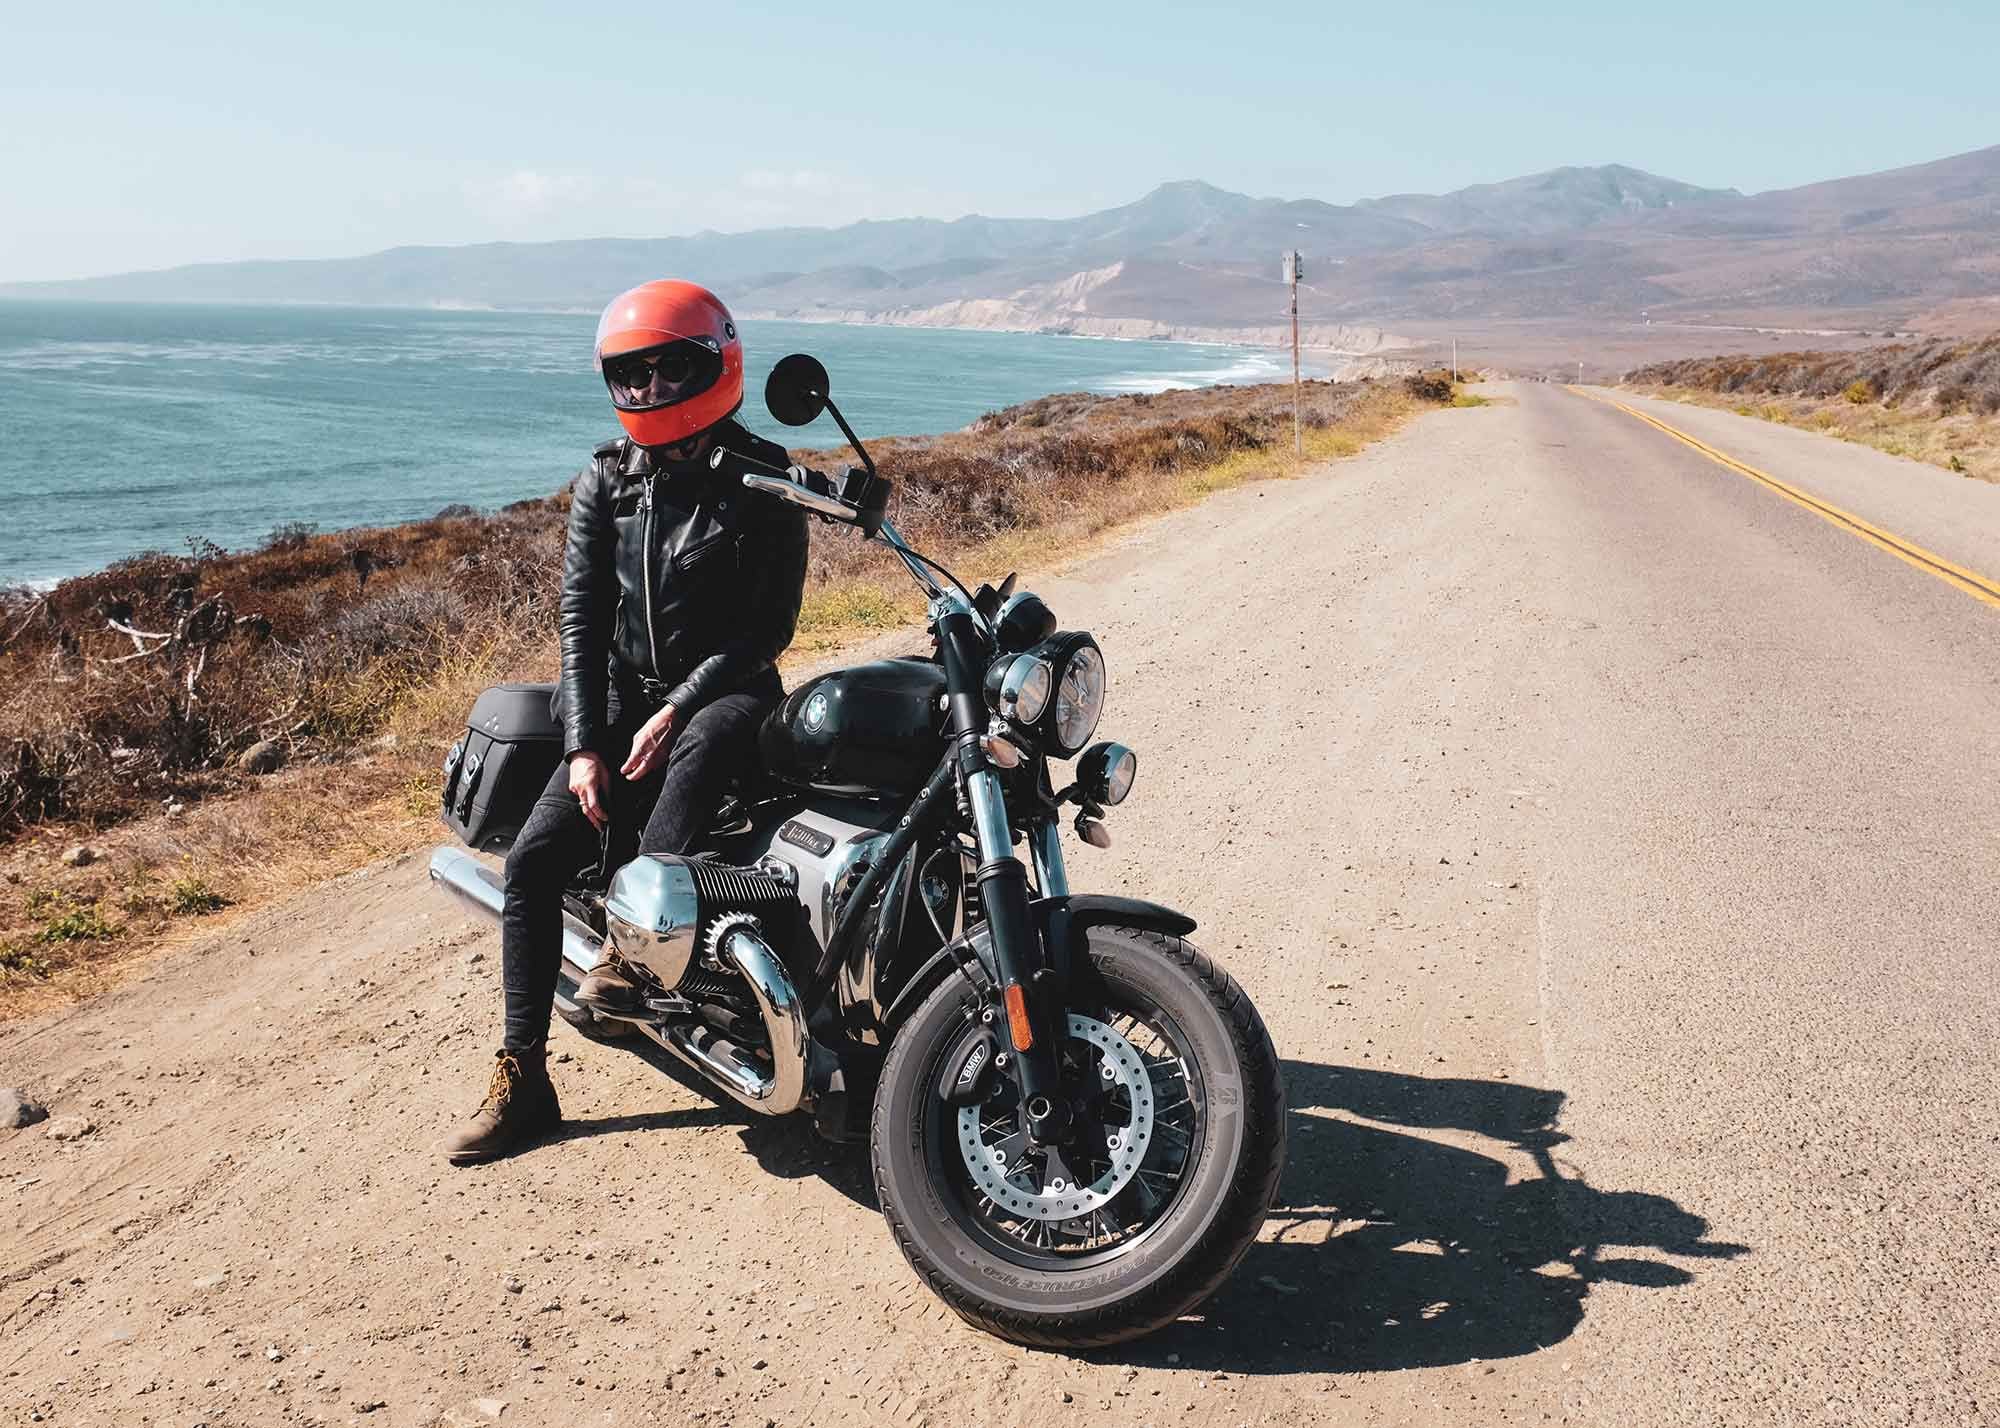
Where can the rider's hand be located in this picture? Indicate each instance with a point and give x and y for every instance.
(589, 780)
(652, 743)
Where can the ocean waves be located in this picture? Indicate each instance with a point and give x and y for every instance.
(1233, 366)
(125, 428)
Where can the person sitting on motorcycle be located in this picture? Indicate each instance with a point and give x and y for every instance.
(680, 589)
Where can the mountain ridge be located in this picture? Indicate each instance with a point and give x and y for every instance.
(1191, 256)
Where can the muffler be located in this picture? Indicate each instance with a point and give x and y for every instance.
(480, 887)
(772, 1089)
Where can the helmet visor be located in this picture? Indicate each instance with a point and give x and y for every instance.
(649, 378)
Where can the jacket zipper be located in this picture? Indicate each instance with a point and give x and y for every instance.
(646, 570)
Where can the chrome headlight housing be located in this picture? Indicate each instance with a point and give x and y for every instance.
(1019, 688)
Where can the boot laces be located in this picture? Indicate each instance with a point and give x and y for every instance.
(506, 1073)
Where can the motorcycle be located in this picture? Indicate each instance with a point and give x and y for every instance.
(1075, 1119)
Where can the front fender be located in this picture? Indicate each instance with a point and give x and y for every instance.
(1066, 921)
(1064, 924)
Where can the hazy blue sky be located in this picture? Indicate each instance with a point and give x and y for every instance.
(147, 134)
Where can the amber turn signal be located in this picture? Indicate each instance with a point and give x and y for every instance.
(1017, 1017)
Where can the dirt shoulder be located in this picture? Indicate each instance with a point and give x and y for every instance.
(1534, 775)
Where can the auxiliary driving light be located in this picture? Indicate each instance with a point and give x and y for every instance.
(1106, 772)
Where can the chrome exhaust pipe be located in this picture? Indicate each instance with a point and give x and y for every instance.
(773, 1090)
(782, 1089)
(481, 888)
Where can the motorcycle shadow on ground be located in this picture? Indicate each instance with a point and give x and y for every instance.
(1386, 1250)
(1389, 1250)
(785, 1146)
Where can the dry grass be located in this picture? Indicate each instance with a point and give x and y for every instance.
(161, 881)
(363, 668)
(1937, 402)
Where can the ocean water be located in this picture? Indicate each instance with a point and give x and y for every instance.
(126, 428)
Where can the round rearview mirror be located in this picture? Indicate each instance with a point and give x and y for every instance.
(796, 390)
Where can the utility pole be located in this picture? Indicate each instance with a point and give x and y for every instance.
(1292, 265)
(1454, 359)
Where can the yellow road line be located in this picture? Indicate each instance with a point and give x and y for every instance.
(1978, 586)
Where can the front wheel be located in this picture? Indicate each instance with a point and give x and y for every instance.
(1176, 1141)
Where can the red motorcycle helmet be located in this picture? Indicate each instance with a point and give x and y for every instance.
(669, 354)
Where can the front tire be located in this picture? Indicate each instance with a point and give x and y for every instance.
(1150, 1241)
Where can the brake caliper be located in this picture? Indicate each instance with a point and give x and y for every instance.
(969, 1080)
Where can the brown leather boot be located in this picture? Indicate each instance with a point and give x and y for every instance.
(606, 987)
(520, 1106)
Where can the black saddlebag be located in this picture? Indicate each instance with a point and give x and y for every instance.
(494, 774)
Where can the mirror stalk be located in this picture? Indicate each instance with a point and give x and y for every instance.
(867, 461)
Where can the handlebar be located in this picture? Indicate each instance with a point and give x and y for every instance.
(800, 485)
(815, 491)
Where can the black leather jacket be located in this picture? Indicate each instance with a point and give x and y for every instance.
(726, 567)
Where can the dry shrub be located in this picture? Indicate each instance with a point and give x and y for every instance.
(1430, 386)
(1946, 373)
(1932, 401)
(141, 683)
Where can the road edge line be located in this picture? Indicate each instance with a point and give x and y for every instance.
(1968, 582)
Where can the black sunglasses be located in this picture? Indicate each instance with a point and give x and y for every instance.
(637, 373)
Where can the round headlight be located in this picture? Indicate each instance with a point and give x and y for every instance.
(1106, 773)
(1079, 698)
(1124, 768)
(1024, 689)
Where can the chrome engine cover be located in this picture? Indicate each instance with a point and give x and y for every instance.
(829, 845)
(660, 911)
(652, 915)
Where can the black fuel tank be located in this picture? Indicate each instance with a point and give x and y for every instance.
(875, 729)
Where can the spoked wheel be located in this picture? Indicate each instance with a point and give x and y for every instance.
(1175, 1141)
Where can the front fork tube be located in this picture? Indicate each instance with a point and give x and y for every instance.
(1017, 953)
(1045, 842)
(1027, 996)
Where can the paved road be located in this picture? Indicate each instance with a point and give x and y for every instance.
(1610, 844)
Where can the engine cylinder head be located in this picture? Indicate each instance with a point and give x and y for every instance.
(660, 908)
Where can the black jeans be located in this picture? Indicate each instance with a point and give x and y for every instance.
(676, 803)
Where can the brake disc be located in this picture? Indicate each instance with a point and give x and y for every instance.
(1019, 1187)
